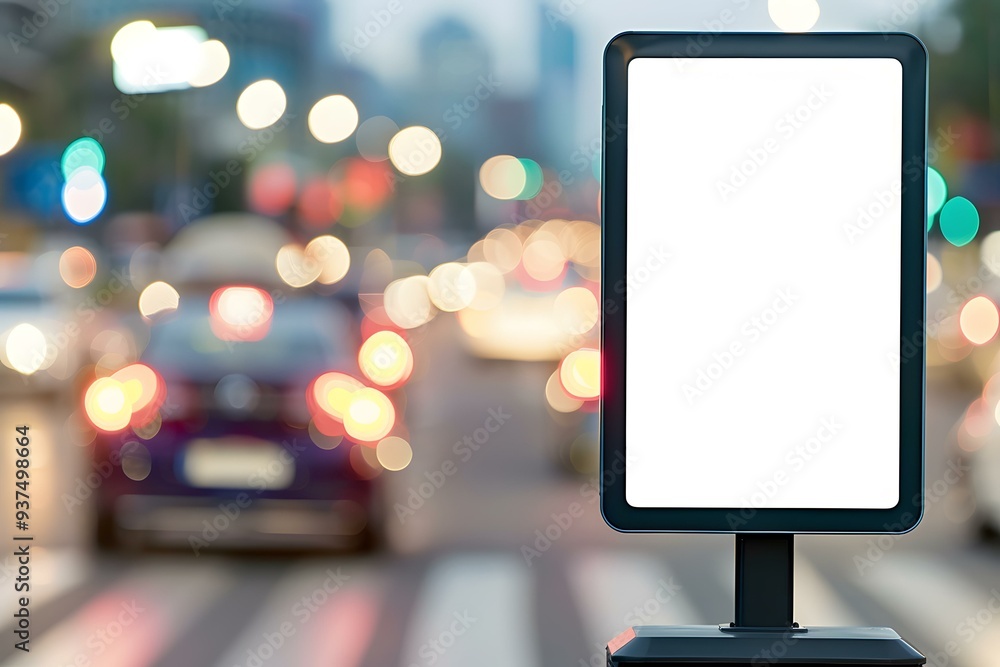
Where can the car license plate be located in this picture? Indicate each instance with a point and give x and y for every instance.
(237, 463)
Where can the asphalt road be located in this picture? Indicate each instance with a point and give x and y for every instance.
(465, 578)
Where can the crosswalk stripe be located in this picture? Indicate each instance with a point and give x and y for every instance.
(817, 603)
(316, 616)
(616, 590)
(946, 610)
(473, 609)
(131, 624)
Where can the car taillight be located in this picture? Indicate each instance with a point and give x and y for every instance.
(342, 405)
(131, 396)
(240, 313)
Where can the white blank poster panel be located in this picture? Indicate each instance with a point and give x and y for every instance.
(763, 282)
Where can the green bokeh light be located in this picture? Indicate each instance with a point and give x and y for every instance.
(533, 180)
(84, 152)
(959, 221)
(937, 192)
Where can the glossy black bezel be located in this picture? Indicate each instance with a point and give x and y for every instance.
(912, 55)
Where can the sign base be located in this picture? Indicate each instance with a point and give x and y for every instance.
(712, 645)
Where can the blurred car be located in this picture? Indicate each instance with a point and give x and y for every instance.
(229, 455)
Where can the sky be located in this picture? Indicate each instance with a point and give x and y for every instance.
(511, 29)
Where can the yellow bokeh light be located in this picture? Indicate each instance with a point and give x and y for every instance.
(332, 119)
(107, 404)
(394, 453)
(580, 374)
(140, 384)
(77, 267)
(295, 267)
(158, 297)
(557, 397)
(385, 358)
(543, 257)
(503, 177)
(989, 253)
(451, 287)
(332, 257)
(130, 38)
(26, 350)
(415, 150)
(576, 310)
(370, 415)
(213, 63)
(502, 249)
(332, 393)
(10, 128)
(793, 15)
(979, 320)
(934, 273)
(261, 104)
(241, 305)
(407, 302)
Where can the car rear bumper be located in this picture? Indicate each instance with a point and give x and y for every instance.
(241, 521)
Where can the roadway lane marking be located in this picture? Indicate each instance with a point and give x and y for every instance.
(317, 615)
(945, 609)
(616, 590)
(473, 610)
(817, 603)
(134, 622)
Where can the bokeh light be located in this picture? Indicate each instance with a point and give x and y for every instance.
(213, 64)
(271, 188)
(580, 374)
(557, 397)
(959, 221)
(77, 267)
(131, 37)
(502, 249)
(158, 297)
(934, 273)
(989, 252)
(543, 258)
(407, 302)
(144, 391)
(394, 453)
(370, 415)
(502, 177)
(937, 192)
(261, 104)
(793, 15)
(576, 310)
(415, 150)
(332, 257)
(83, 152)
(385, 358)
(240, 313)
(295, 267)
(508, 177)
(107, 405)
(26, 349)
(10, 128)
(332, 119)
(979, 320)
(84, 195)
(451, 287)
